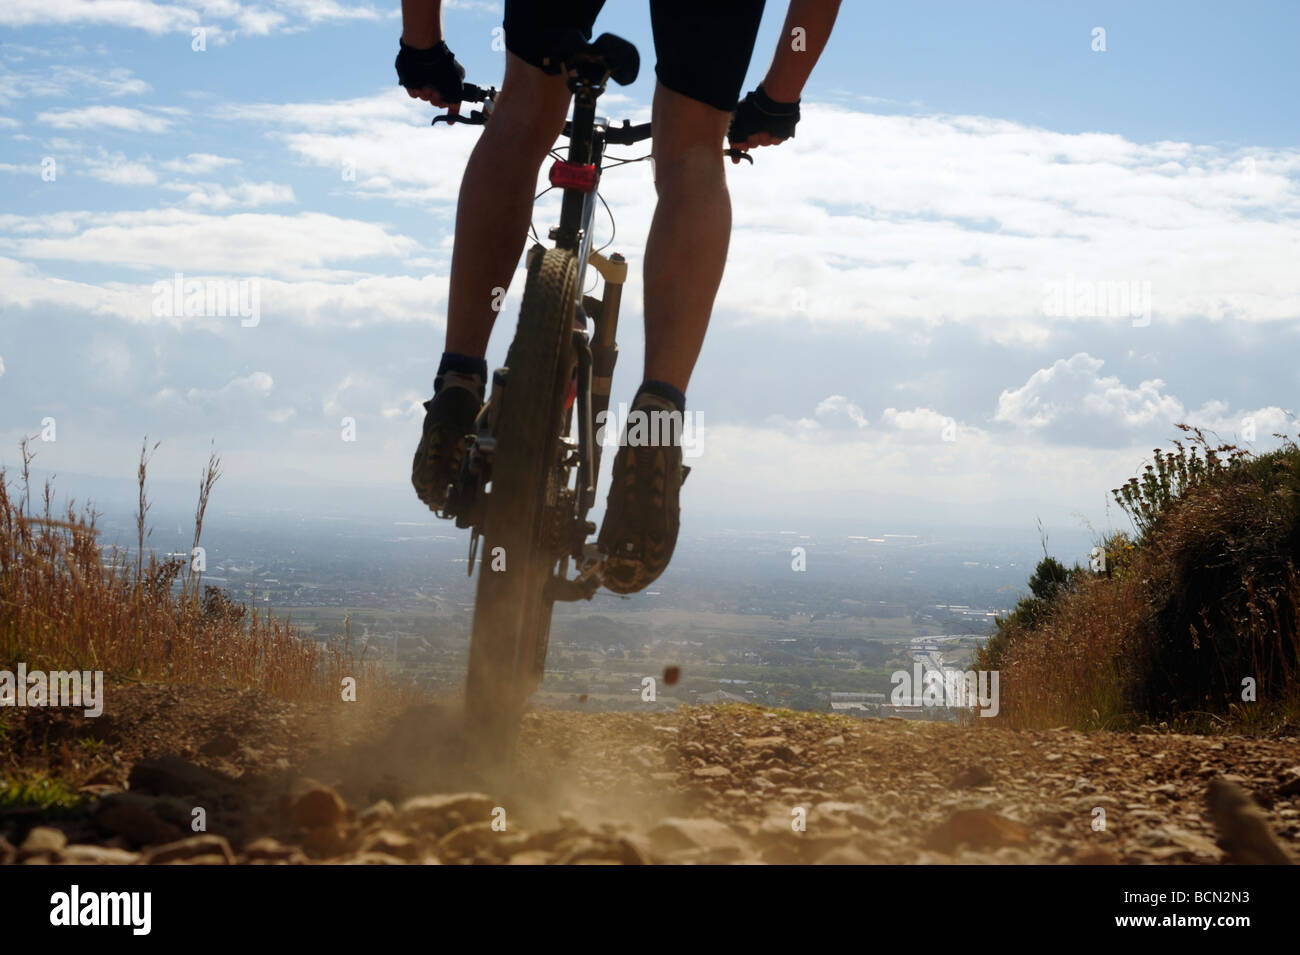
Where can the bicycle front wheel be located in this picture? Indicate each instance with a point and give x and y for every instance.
(512, 614)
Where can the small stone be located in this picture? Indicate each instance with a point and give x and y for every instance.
(171, 775)
(391, 843)
(43, 839)
(136, 818)
(468, 840)
(267, 849)
(443, 813)
(711, 772)
(844, 855)
(373, 858)
(676, 834)
(223, 744)
(325, 840)
(634, 850)
(208, 847)
(978, 828)
(590, 850)
(1096, 855)
(379, 812)
(972, 777)
(318, 807)
(98, 855)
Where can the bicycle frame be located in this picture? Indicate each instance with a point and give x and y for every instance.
(596, 355)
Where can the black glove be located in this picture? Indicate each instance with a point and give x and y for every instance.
(435, 68)
(757, 113)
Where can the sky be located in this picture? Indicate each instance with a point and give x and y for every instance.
(1012, 246)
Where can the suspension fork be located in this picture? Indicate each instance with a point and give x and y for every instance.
(604, 344)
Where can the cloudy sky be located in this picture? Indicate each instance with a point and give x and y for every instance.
(995, 268)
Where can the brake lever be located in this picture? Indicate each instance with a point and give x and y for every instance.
(735, 154)
(451, 119)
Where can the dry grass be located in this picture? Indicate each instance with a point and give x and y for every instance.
(1073, 669)
(1207, 597)
(66, 602)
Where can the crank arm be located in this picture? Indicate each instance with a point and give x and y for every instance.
(560, 589)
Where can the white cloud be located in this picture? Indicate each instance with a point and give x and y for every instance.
(838, 411)
(211, 195)
(347, 302)
(222, 18)
(62, 80)
(236, 394)
(198, 164)
(969, 219)
(138, 14)
(305, 245)
(922, 424)
(383, 141)
(954, 218)
(116, 169)
(839, 417)
(1072, 402)
(105, 117)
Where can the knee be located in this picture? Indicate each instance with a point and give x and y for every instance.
(698, 167)
(530, 111)
(688, 140)
(522, 137)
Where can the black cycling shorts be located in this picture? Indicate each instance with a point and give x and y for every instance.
(702, 46)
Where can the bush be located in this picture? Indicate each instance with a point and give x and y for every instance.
(1205, 597)
(1050, 581)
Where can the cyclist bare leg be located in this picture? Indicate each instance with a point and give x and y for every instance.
(495, 205)
(685, 255)
(496, 199)
(687, 246)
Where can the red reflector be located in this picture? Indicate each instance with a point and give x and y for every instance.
(572, 175)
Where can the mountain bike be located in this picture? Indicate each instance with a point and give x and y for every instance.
(527, 481)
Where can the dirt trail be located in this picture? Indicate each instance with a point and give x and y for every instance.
(293, 783)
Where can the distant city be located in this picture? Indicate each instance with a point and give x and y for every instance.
(786, 617)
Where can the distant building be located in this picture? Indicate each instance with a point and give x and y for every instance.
(906, 712)
(857, 704)
(720, 696)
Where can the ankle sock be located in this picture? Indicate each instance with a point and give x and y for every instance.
(461, 371)
(656, 416)
(663, 390)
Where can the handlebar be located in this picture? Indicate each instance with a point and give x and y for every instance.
(625, 135)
